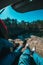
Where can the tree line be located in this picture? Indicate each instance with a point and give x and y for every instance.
(16, 28)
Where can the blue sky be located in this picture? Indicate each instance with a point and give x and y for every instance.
(28, 16)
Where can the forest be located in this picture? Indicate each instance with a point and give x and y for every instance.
(16, 28)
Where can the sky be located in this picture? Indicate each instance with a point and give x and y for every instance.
(28, 16)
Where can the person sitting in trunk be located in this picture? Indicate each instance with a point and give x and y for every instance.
(7, 54)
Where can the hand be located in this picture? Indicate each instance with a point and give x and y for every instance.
(18, 41)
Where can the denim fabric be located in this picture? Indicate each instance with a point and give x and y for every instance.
(38, 59)
(25, 58)
(10, 58)
(5, 43)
